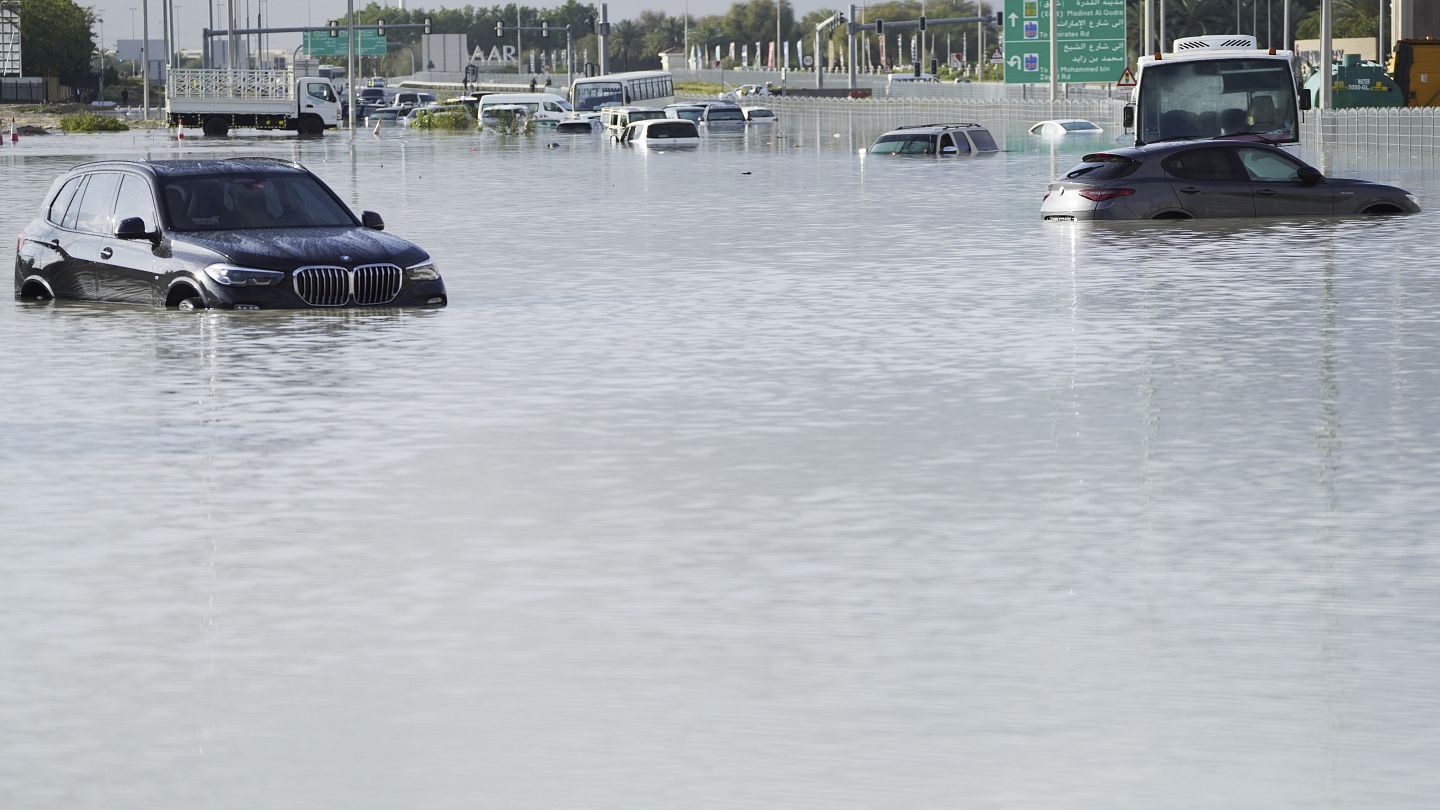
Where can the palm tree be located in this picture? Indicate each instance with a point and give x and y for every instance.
(626, 39)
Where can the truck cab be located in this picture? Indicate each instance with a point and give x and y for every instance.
(317, 98)
(1218, 86)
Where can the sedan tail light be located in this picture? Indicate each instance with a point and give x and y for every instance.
(1103, 194)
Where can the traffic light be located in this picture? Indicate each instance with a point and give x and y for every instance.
(334, 28)
(1000, 18)
(934, 67)
(499, 29)
(544, 28)
(427, 25)
(590, 24)
(380, 27)
(922, 23)
(879, 28)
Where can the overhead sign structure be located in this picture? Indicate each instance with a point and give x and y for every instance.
(9, 39)
(1089, 37)
(320, 43)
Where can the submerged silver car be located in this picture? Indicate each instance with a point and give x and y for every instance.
(1210, 179)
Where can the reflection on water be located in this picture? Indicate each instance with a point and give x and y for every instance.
(752, 475)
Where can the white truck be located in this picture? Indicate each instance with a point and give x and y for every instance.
(216, 99)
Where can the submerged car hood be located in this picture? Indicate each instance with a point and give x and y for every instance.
(288, 248)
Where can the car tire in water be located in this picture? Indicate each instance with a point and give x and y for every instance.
(192, 303)
(216, 126)
(311, 126)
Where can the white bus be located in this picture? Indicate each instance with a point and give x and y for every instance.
(641, 88)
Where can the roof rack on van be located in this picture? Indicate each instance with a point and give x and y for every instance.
(931, 126)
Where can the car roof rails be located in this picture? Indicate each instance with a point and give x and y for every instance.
(267, 159)
(951, 125)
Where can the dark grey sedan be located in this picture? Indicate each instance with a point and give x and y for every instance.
(1210, 179)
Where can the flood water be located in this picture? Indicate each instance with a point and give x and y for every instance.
(758, 475)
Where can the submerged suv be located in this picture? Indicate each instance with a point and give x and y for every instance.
(944, 140)
(244, 233)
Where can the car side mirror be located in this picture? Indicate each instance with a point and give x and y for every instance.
(1305, 100)
(134, 228)
(1309, 176)
(372, 220)
(949, 150)
(1128, 117)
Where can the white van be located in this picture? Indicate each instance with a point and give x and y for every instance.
(616, 119)
(539, 106)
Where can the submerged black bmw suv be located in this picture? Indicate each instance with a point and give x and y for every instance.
(244, 233)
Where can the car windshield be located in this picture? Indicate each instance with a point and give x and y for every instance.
(724, 114)
(1103, 167)
(1077, 126)
(676, 129)
(904, 145)
(227, 202)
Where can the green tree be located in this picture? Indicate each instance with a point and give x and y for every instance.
(1353, 18)
(626, 42)
(668, 33)
(55, 39)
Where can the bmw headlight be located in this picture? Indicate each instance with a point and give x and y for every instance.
(424, 271)
(232, 276)
(1415, 201)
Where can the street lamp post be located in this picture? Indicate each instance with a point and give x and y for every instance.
(145, 58)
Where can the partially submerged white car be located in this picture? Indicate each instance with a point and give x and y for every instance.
(1061, 127)
(661, 133)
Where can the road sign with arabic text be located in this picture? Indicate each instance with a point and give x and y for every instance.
(1089, 38)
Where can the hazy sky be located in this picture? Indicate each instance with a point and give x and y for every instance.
(192, 16)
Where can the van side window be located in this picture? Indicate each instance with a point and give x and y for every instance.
(56, 214)
(135, 201)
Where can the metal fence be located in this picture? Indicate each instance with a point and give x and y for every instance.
(1406, 134)
(1003, 117)
(22, 90)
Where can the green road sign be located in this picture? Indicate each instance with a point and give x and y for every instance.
(1090, 39)
(320, 43)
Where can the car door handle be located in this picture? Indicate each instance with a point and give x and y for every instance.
(106, 253)
(309, 106)
(1189, 190)
(1266, 192)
